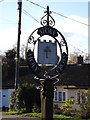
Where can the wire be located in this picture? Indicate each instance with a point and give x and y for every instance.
(59, 14)
(36, 4)
(28, 14)
(83, 51)
(70, 18)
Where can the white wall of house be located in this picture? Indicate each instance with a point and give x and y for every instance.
(61, 95)
(5, 97)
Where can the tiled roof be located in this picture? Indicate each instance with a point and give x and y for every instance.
(72, 75)
(75, 75)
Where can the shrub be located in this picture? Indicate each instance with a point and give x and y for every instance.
(19, 102)
(12, 101)
(67, 108)
(24, 98)
(36, 109)
(56, 109)
(85, 111)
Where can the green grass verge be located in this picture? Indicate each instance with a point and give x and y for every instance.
(61, 117)
(38, 115)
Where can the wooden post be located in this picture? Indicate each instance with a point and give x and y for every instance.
(47, 94)
(43, 104)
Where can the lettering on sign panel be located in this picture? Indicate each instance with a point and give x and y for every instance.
(62, 63)
(47, 31)
(31, 61)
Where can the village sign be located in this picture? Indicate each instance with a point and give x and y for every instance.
(46, 77)
(59, 38)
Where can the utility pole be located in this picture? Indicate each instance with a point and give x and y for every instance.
(18, 44)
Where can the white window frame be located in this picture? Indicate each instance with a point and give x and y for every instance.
(57, 97)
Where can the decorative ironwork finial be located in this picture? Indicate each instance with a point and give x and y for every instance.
(49, 21)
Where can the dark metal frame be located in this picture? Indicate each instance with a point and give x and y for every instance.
(52, 72)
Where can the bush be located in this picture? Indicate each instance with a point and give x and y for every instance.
(19, 105)
(24, 98)
(36, 109)
(12, 101)
(85, 111)
(67, 108)
(56, 110)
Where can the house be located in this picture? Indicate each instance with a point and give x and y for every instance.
(5, 91)
(73, 84)
(8, 85)
(5, 97)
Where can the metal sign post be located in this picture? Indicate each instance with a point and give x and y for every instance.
(47, 77)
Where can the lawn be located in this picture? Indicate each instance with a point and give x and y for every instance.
(38, 115)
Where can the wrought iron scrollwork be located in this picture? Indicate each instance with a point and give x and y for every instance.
(62, 43)
(31, 39)
(49, 21)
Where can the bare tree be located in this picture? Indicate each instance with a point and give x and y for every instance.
(73, 58)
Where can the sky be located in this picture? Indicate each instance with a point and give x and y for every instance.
(75, 33)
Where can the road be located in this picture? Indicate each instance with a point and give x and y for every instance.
(14, 117)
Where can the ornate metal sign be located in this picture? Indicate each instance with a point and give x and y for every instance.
(47, 30)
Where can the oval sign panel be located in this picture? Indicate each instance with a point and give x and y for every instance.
(59, 38)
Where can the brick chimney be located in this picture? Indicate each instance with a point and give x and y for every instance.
(80, 60)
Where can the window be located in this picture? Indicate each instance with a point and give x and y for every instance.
(81, 97)
(60, 96)
(78, 97)
(4, 95)
(64, 96)
(56, 96)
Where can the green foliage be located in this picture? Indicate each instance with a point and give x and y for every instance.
(85, 111)
(85, 108)
(67, 108)
(16, 101)
(12, 101)
(38, 115)
(56, 110)
(61, 117)
(8, 67)
(19, 102)
(24, 99)
(36, 109)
